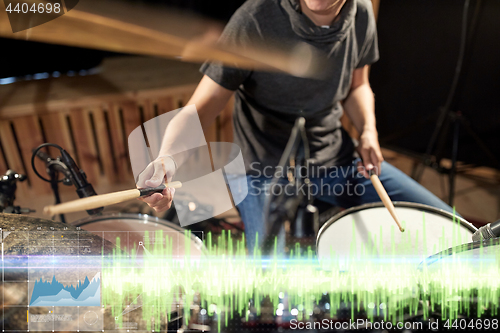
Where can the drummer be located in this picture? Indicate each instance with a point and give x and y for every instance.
(267, 104)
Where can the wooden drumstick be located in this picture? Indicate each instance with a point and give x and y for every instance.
(382, 193)
(97, 201)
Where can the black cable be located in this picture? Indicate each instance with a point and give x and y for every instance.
(55, 189)
(461, 55)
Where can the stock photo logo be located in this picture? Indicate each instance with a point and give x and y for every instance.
(212, 174)
(26, 14)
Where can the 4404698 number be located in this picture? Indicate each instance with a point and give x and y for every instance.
(472, 324)
(39, 8)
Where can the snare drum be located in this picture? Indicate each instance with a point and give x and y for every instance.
(370, 230)
(136, 230)
(141, 232)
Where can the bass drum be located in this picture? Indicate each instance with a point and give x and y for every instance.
(135, 231)
(370, 230)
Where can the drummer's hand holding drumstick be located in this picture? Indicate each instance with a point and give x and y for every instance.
(210, 98)
(151, 186)
(370, 153)
(370, 167)
(160, 171)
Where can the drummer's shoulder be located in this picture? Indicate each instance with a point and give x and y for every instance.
(255, 18)
(258, 8)
(366, 25)
(364, 9)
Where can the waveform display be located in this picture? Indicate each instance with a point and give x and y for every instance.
(54, 293)
(225, 279)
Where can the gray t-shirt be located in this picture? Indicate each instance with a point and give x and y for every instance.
(267, 104)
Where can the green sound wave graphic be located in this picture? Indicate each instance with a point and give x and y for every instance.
(225, 279)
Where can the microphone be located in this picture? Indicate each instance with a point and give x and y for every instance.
(491, 230)
(83, 188)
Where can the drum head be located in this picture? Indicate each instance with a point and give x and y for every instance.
(370, 231)
(136, 231)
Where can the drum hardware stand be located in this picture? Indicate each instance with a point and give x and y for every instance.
(296, 208)
(449, 118)
(8, 187)
(433, 157)
(65, 165)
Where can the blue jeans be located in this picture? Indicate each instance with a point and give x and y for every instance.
(341, 186)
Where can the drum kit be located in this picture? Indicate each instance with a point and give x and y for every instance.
(368, 229)
(429, 232)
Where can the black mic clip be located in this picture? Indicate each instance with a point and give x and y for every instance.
(78, 177)
(53, 166)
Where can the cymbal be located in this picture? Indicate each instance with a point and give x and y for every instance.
(15, 229)
(147, 30)
(47, 243)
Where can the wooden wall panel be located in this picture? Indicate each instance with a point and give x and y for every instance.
(3, 162)
(131, 119)
(55, 127)
(166, 104)
(118, 142)
(131, 116)
(83, 132)
(14, 158)
(148, 108)
(30, 136)
(10, 147)
(104, 146)
(95, 132)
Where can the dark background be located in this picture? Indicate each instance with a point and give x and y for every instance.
(20, 58)
(419, 44)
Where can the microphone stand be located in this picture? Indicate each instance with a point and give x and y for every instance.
(53, 167)
(54, 184)
(294, 208)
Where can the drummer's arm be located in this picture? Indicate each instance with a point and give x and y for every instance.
(209, 98)
(360, 108)
(182, 134)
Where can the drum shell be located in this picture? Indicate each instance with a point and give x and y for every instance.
(131, 230)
